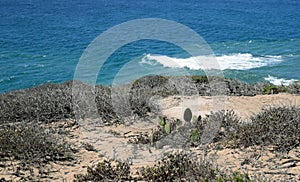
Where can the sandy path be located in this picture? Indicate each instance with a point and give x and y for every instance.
(244, 106)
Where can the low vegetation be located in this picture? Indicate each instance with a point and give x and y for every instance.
(32, 144)
(294, 88)
(23, 140)
(273, 89)
(53, 102)
(108, 170)
(192, 130)
(274, 126)
(178, 166)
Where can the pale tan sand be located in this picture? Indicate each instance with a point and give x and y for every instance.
(244, 106)
(111, 141)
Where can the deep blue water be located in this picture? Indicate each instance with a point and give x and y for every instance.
(42, 41)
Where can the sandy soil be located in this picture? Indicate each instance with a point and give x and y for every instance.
(244, 106)
(112, 141)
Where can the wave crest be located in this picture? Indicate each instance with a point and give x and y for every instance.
(233, 61)
(279, 81)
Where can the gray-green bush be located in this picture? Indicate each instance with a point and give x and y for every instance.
(33, 144)
(274, 126)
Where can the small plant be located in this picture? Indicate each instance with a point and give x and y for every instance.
(235, 177)
(294, 88)
(283, 88)
(167, 128)
(187, 116)
(270, 89)
(178, 122)
(273, 89)
(88, 146)
(229, 123)
(108, 170)
(199, 79)
(161, 120)
(166, 125)
(194, 119)
(143, 138)
(195, 135)
(238, 177)
(152, 139)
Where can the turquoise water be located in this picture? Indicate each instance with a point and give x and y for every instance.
(41, 42)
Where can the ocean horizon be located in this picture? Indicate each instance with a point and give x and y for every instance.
(253, 41)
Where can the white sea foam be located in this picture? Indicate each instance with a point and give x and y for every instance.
(7, 79)
(40, 65)
(33, 65)
(233, 61)
(279, 81)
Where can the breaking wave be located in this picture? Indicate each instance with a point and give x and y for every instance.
(233, 61)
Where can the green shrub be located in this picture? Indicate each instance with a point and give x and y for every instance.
(178, 166)
(108, 170)
(273, 89)
(194, 135)
(275, 126)
(283, 88)
(31, 144)
(182, 166)
(199, 79)
(294, 88)
(88, 146)
(236, 177)
(223, 122)
(270, 89)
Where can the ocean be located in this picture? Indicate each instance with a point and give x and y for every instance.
(42, 41)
